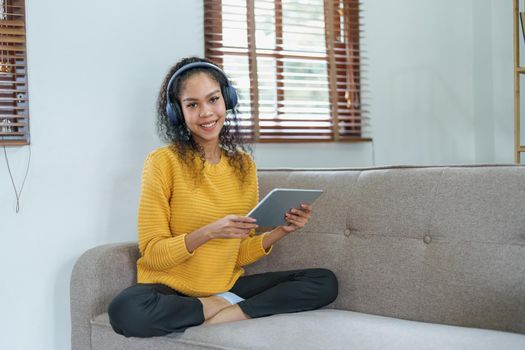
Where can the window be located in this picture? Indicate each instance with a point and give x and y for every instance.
(14, 115)
(295, 63)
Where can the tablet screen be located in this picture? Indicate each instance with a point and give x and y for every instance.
(270, 211)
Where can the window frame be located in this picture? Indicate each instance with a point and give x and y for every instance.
(347, 115)
(14, 97)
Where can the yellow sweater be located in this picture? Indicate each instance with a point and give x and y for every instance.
(171, 206)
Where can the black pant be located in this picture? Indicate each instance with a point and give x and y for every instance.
(146, 310)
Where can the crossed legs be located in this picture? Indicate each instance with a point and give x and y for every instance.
(146, 310)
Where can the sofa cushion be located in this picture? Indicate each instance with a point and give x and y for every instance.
(320, 329)
(438, 244)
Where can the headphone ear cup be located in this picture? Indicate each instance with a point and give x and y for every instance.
(173, 112)
(169, 113)
(230, 97)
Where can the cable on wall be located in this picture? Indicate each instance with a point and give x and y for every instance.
(18, 194)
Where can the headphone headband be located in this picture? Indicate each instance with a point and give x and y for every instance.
(172, 107)
(189, 66)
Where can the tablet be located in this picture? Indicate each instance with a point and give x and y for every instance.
(270, 211)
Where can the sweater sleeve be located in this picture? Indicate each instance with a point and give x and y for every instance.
(251, 248)
(159, 248)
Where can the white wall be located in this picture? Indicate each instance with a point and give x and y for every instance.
(94, 71)
(501, 75)
(440, 81)
(420, 61)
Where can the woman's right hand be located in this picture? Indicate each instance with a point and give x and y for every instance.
(231, 226)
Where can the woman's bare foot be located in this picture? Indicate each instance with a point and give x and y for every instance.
(228, 314)
(212, 305)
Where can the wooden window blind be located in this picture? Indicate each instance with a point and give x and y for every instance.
(295, 63)
(14, 113)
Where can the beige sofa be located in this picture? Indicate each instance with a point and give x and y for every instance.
(426, 257)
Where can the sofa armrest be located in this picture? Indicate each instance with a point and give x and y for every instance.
(98, 276)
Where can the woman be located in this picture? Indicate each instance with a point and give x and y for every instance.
(194, 236)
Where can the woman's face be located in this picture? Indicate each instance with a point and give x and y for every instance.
(203, 107)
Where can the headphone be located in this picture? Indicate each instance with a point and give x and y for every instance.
(173, 109)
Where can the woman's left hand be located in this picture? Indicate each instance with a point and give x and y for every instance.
(297, 218)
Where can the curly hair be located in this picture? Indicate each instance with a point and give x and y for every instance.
(178, 135)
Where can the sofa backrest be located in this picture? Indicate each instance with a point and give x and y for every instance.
(436, 244)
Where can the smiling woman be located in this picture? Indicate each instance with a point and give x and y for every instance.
(204, 114)
(195, 236)
(181, 124)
